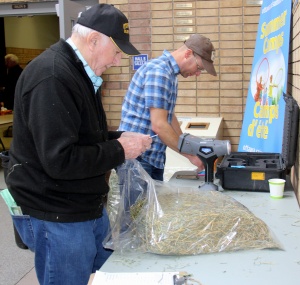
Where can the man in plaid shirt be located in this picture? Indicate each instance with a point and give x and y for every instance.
(150, 101)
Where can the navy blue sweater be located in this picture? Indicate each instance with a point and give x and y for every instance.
(61, 147)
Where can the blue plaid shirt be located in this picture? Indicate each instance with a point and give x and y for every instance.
(154, 85)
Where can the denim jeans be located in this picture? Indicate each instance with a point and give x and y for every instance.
(133, 185)
(65, 253)
(155, 173)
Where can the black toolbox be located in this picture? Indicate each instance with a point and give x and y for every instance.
(250, 171)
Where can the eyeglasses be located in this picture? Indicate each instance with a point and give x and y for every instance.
(198, 66)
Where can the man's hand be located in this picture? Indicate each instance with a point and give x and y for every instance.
(134, 144)
(194, 159)
(132, 134)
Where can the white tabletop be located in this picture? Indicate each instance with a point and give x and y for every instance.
(249, 267)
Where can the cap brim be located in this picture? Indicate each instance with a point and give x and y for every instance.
(209, 67)
(126, 47)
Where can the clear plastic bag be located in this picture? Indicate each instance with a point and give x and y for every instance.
(158, 218)
(132, 186)
(113, 197)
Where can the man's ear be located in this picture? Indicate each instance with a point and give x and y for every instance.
(93, 39)
(188, 53)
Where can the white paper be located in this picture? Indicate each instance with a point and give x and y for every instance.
(134, 278)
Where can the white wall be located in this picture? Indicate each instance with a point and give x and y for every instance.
(37, 32)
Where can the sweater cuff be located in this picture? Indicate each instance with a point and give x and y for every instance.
(112, 135)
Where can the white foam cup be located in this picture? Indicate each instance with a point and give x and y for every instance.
(276, 186)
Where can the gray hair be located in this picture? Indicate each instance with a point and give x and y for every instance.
(12, 58)
(83, 31)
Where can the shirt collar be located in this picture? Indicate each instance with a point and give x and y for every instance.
(173, 62)
(96, 80)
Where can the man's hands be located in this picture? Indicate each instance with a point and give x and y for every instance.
(134, 144)
(194, 159)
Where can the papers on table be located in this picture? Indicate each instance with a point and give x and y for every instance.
(134, 278)
(14, 209)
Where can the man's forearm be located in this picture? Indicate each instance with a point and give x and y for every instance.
(176, 126)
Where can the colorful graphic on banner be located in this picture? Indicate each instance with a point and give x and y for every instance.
(263, 122)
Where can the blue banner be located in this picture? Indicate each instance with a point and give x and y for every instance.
(262, 129)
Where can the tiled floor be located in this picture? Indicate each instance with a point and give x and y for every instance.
(29, 279)
(16, 264)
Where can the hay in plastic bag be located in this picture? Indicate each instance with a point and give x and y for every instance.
(172, 220)
(131, 185)
(113, 197)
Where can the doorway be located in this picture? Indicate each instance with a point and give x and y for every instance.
(17, 20)
(34, 26)
(2, 53)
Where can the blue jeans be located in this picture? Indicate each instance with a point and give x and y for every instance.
(155, 173)
(65, 253)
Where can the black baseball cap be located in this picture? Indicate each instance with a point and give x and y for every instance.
(111, 22)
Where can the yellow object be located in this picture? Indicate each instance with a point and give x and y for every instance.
(257, 176)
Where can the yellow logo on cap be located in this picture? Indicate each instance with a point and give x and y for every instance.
(213, 55)
(126, 28)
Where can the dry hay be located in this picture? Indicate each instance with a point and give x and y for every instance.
(113, 197)
(198, 222)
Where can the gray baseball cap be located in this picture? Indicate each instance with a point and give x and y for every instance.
(202, 46)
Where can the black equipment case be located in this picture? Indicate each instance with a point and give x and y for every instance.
(251, 171)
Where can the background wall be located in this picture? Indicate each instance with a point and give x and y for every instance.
(294, 80)
(37, 32)
(157, 25)
(27, 37)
